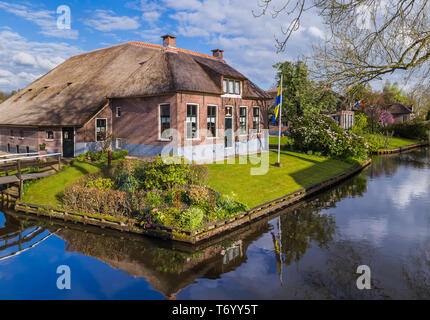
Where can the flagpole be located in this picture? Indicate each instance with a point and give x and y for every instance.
(280, 125)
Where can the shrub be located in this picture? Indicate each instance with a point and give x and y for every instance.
(158, 175)
(319, 133)
(227, 207)
(126, 182)
(360, 123)
(154, 198)
(410, 130)
(192, 218)
(100, 184)
(198, 195)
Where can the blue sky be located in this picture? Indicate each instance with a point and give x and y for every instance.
(31, 43)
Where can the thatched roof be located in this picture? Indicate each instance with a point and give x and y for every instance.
(73, 92)
(398, 108)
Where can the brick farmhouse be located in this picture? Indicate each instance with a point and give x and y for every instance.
(146, 98)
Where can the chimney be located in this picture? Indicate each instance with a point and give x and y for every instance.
(217, 53)
(169, 41)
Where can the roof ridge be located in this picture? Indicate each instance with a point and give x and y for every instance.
(139, 43)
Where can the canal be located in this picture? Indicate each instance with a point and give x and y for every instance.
(379, 218)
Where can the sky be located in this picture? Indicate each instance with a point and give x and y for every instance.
(32, 43)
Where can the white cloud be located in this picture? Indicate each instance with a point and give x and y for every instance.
(45, 19)
(316, 32)
(23, 61)
(249, 42)
(106, 20)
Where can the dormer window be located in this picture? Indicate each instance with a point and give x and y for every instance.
(231, 87)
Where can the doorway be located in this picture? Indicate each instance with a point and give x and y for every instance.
(68, 142)
(228, 139)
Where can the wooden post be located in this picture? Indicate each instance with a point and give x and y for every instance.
(59, 162)
(21, 183)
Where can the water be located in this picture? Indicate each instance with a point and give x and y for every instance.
(380, 218)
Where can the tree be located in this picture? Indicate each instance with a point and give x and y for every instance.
(301, 95)
(367, 38)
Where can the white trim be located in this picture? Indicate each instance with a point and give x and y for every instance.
(197, 138)
(116, 112)
(216, 120)
(95, 127)
(232, 127)
(246, 123)
(118, 145)
(159, 121)
(259, 119)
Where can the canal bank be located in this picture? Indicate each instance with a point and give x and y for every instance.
(378, 217)
(199, 234)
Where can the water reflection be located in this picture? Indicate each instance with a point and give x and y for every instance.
(311, 250)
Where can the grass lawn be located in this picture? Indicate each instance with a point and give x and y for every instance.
(274, 140)
(47, 190)
(396, 141)
(399, 142)
(298, 171)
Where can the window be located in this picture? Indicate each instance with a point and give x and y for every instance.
(8, 147)
(17, 148)
(212, 113)
(243, 113)
(11, 133)
(192, 132)
(21, 133)
(256, 119)
(164, 121)
(118, 143)
(100, 129)
(118, 112)
(231, 86)
(50, 135)
(228, 111)
(27, 149)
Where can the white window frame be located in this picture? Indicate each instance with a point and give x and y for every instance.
(216, 120)
(159, 120)
(53, 135)
(246, 122)
(95, 128)
(118, 143)
(259, 119)
(232, 127)
(116, 112)
(197, 124)
(229, 94)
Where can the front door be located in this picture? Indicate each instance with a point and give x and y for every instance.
(68, 142)
(228, 127)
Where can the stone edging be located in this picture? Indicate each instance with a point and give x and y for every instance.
(401, 149)
(201, 233)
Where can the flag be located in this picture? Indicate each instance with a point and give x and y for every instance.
(277, 103)
(357, 104)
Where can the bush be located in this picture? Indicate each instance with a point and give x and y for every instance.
(100, 184)
(126, 182)
(360, 123)
(107, 202)
(319, 133)
(227, 207)
(410, 130)
(192, 218)
(158, 175)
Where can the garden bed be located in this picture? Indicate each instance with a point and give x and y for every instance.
(172, 202)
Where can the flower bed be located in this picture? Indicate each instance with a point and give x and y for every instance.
(151, 193)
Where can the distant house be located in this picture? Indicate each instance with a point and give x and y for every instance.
(400, 112)
(140, 94)
(345, 118)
